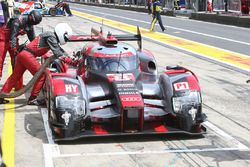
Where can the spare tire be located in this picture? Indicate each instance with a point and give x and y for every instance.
(52, 11)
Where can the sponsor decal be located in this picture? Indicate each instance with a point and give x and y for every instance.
(125, 54)
(126, 89)
(138, 98)
(131, 100)
(71, 88)
(66, 117)
(121, 77)
(128, 93)
(125, 85)
(181, 86)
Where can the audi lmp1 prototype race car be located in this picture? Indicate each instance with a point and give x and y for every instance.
(116, 90)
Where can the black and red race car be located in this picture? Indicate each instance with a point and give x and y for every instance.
(116, 89)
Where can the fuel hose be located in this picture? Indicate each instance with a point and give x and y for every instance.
(31, 82)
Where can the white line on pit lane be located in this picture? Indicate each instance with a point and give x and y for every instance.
(225, 136)
(148, 152)
(180, 29)
(52, 150)
(44, 112)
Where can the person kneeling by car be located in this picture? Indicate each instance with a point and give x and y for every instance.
(26, 59)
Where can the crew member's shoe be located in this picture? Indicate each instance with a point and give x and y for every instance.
(70, 15)
(34, 101)
(3, 101)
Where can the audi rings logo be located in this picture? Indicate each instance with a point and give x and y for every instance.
(131, 98)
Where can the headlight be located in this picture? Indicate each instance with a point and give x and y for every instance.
(71, 103)
(187, 103)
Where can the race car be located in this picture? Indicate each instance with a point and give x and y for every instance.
(116, 89)
(27, 7)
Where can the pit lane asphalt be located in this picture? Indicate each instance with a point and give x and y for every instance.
(223, 36)
(225, 95)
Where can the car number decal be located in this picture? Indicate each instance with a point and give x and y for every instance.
(181, 86)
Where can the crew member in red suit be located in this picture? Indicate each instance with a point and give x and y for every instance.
(9, 37)
(26, 59)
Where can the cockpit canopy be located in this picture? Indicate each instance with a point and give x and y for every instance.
(114, 64)
(117, 58)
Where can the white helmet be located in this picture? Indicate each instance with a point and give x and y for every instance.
(63, 30)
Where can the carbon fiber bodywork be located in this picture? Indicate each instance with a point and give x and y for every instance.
(117, 90)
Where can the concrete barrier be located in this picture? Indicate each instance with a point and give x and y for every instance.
(126, 7)
(242, 21)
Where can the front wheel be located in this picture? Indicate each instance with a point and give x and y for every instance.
(52, 11)
(185, 122)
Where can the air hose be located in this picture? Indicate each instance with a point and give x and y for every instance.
(31, 82)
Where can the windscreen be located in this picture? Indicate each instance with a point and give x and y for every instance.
(112, 63)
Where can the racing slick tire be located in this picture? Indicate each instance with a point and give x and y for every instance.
(52, 11)
(185, 122)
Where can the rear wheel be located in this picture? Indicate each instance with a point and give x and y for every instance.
(52, 11)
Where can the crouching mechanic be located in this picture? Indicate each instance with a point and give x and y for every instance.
(9, 37)
(26, 59)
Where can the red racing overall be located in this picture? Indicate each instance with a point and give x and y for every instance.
(9, 41)
(26, 60)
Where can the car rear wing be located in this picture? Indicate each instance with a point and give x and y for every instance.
(110, 39)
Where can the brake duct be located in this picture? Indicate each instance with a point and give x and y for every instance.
(31, 82)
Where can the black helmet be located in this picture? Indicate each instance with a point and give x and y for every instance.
(34, 17)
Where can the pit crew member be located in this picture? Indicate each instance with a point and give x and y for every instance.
(26, 59)
(156, 13)
(9, 37)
